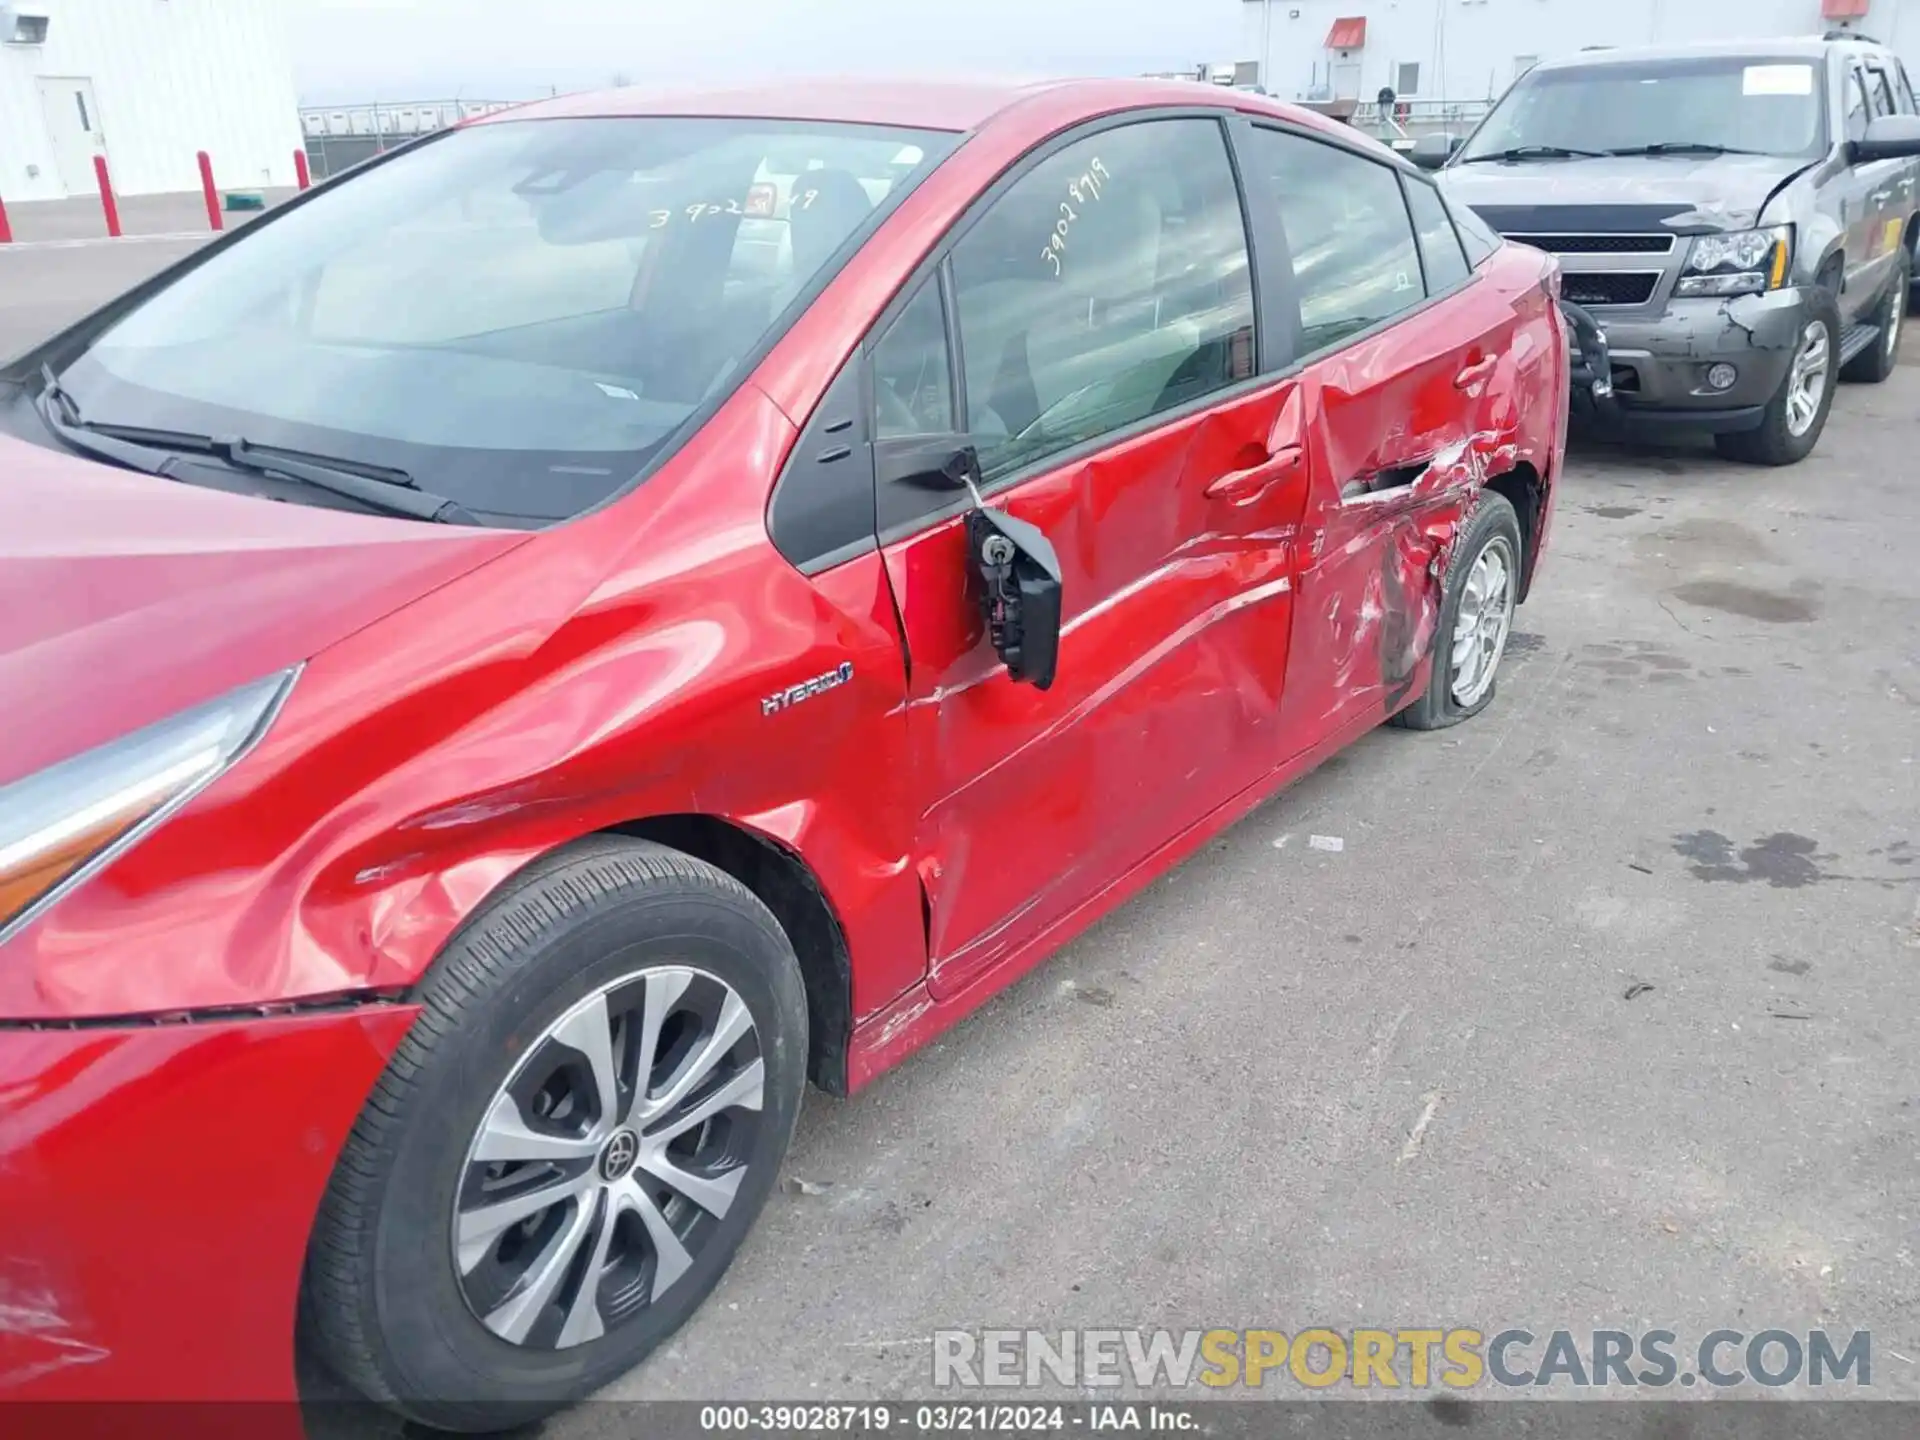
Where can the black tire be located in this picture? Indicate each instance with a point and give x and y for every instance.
(383, 1296)
(1773, 442)
(1492, 523)
(1875, 363)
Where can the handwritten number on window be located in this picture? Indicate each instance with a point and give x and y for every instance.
(1083, 188)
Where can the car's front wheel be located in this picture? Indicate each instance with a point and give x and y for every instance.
(570, 1144)
(1476, 617)
(1797, 414)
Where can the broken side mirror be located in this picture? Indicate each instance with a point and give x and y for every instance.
(927, 462)
(1020, 580)
(1888, 137)
(1430, 152)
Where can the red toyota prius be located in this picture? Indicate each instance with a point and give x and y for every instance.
(523, 657)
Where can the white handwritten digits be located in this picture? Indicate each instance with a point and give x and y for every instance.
(806, 198)
(1087, 186)
(1083, 188)
(699, 210)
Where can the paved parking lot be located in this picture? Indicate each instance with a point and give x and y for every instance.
(1403, 1083)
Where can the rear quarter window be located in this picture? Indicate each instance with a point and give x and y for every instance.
(1477, 238)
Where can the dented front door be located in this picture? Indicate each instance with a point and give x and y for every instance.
(1171, 500)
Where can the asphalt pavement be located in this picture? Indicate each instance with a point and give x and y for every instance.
(1604, 1012)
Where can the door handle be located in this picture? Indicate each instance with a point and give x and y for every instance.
(1243, 485)
(1881, 197)
(1478, 371)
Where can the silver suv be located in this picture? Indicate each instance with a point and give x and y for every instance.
(1735, 224)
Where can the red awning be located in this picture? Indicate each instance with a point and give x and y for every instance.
(1844, 9)
(1349, 32)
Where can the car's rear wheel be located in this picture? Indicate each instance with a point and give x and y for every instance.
(1476, 617)
(569, 1146)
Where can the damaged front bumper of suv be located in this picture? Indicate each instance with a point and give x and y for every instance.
(1707, 364)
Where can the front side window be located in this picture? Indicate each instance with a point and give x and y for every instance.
(1772, 107)
(1880, 93)
(1347, 229)
(1108, 284)
(1858, 112)
(912, 372)
(520, 315)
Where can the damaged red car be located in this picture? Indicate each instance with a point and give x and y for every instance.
(528, 654)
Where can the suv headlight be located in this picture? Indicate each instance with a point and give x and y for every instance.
(1741, 262)
(62, 824)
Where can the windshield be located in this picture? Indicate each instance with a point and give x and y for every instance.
(519, 315)
(1771, 106)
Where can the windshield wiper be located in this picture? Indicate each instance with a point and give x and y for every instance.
(62, 415)
(382, 488)
(1535, 152)
(1683, 147)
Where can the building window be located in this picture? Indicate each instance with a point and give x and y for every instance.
(1409, 80)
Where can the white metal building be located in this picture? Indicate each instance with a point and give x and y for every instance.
(1464, 50)
(148, 84)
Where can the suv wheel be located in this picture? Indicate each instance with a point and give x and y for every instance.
(1797, 414)
(1876, 362)
(570, 1144)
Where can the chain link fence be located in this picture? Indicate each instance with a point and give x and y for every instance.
(338, 137)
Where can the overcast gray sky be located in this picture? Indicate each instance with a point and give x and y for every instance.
(424, 49)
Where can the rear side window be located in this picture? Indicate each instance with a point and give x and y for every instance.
(1108, 284)
(1441, 256)
(1904, 91)
(1479, 239)
(1347, 229)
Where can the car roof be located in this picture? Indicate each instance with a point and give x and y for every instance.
(1797, 47)
(910, 104)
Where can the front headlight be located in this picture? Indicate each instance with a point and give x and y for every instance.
(59, 826)
(1741, 262)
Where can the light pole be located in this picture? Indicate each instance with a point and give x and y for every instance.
(1266, 42)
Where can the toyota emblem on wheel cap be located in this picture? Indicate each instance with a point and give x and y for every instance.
(617, 1159)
